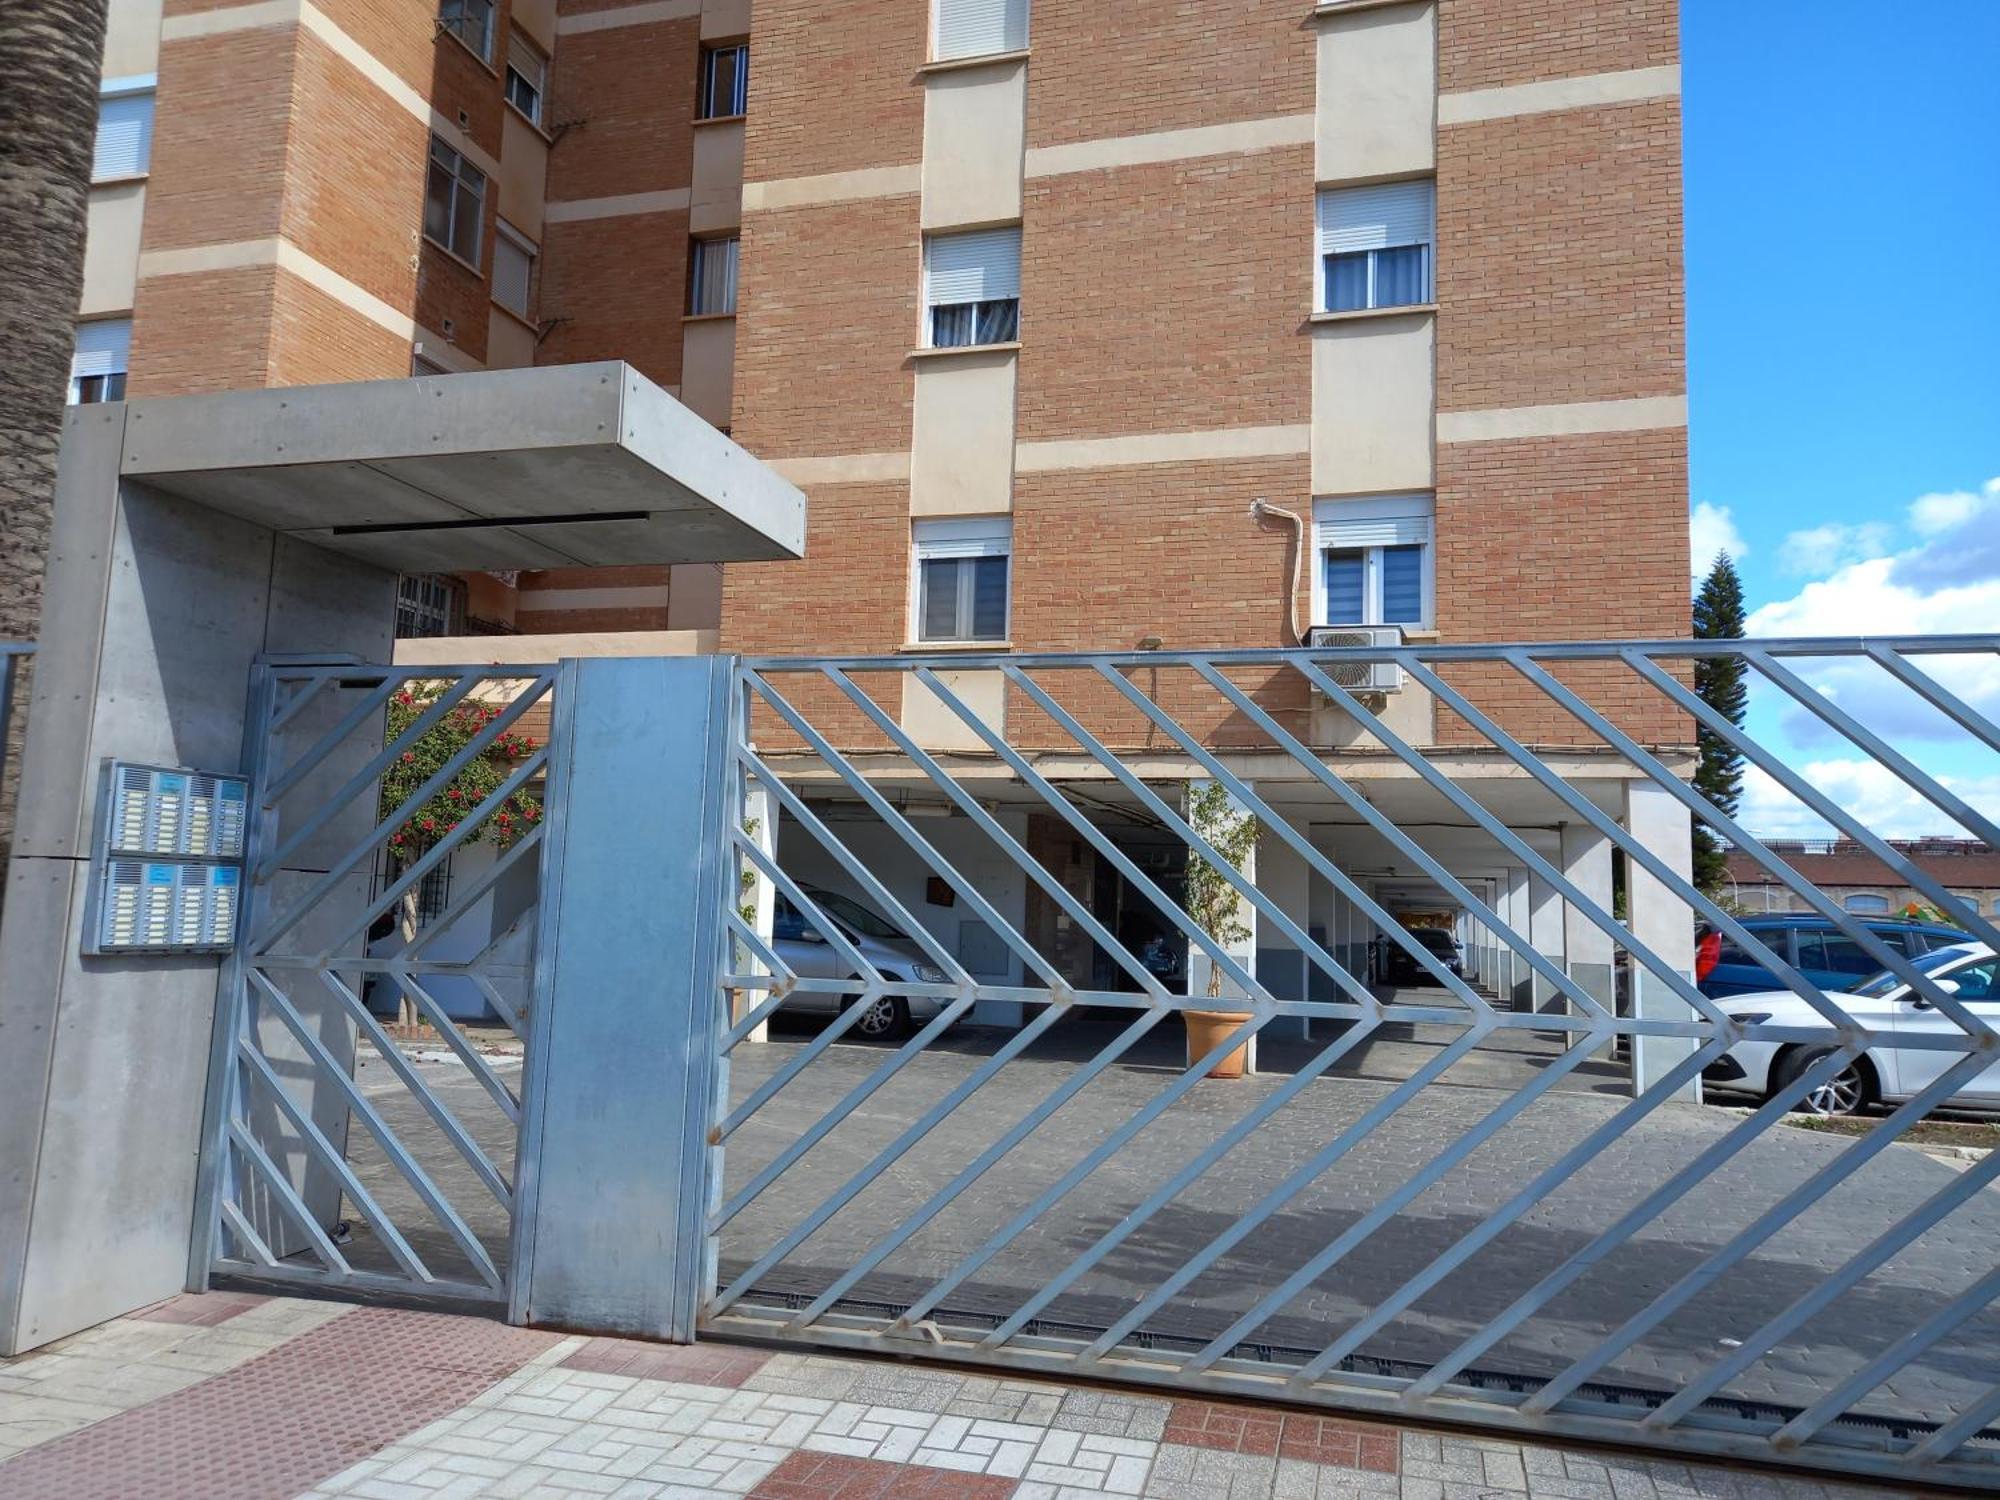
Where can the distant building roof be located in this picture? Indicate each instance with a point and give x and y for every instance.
(1960, 862)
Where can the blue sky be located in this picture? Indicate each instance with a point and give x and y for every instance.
(1843, 263)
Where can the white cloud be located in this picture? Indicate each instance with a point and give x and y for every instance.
(1822, 549)
(1711, 530)
(1871, 794)
(1931, 514)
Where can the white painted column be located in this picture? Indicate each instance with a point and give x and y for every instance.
(1660, 920)
(1588, 948)
(1546, 932)
(1517, 993)
(1278, 964)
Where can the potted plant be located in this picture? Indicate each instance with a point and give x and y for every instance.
(1217, 909)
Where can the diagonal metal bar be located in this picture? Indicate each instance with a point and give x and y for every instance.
(1630, 1222)
(1188, 835)
(283, 781)
(283, 713)
(1955, 1434)
(1871, 944)
(368, 776)
(482, 1167)
(1841, 721)
(1020, 1130)
(245, 1234)
(1495, 1223)
(1299, 844)
(890, 1154)
(1158, 1199)
(465, 897)
(502, 1005)
(918, 844)
(1408, 847)
(1844, 1397)
(862, 876)
(274, 1181)
(392, 1146)
(1082, 915)
(1094, 836)
(1940, 697)
(332, 1160)
(1788, 1208)
(1633, 849)
(1862, 1264)
(458, 838)
(1418, 1184)
(1284, 1192)
(478, 745)
(453, 1038)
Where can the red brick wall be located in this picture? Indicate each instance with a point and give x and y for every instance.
(1492, 43)
(835, 89)
(627, 97)
(618, 287)
(205, 332)
(221, 125)
(1168, 297)
(1100, 69)
(316, 340)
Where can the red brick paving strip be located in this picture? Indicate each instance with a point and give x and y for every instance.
(833, 1476)
(686, 1364)
(1266, 1433)
(200, 1309)
(279, 1423)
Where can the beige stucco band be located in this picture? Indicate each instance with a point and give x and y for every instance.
(1499, 423)
(667, 200)
(628, 15)
(1582, 92)
(834, 187)
(194, 260)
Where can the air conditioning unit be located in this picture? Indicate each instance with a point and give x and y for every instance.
(1359, 676)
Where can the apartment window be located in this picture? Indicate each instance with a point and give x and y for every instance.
(1375, 561)
(725, 81)
(961, 579)
(97, 368)
(1864, 904)
(527, 77)
(124, 129)
(978, 28)
(712, 277)
(471, 21)
(428, 604)
(972, 288)
(1375, 245)
(454, 202)
(513, 267)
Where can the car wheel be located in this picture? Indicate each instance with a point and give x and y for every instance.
(885, 1018)
(1847, 1092)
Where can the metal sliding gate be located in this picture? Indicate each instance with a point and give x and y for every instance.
(986, 926)
(1468, 1178)
(364, 1104)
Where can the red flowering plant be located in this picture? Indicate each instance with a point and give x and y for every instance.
(423, 827)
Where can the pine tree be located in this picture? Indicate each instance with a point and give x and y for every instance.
(1719, 681)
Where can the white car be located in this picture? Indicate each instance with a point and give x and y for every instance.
(1968, 971)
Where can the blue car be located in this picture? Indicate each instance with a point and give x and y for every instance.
(1816, 948)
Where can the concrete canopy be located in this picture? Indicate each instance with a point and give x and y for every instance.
(557, 466)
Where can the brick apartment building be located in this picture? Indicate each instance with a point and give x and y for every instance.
(1033, 298)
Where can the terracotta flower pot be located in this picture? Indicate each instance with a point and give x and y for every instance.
(1206, 1030)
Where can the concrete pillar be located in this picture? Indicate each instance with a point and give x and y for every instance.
(1661, 921)
(1279, 965)
(1545, 931)
(1588, 948)
(1519, 993)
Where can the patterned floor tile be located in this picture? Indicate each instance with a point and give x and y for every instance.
(1266, 1431)
(832, 1476)
(200, 1309)
(689, 1364)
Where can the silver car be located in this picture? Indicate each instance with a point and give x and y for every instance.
(808, 954)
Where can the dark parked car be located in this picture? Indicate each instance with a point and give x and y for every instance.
(1394, 965)
(1815, 947)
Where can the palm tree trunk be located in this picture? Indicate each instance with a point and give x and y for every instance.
(50, 56)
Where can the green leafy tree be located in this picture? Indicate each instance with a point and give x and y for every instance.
(1215, 905)
(425, 825)
(1719, 682)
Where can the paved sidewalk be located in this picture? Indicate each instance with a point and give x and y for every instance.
(228, 1397)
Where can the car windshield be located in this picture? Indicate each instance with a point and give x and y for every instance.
(1884, 982)
(855, 915)
(1433, 938)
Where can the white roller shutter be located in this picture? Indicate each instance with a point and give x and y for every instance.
(102, 348)
(124, 136)
(982, 266)
(983, 536)
(975, 28)
(1377, 217)
(1398, 522)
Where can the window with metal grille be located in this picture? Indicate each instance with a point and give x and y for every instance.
(428, 604)
(961, 569)
(725, 81)
(527, 77)
(712, 277)
(471, 21)
(455, 202)
(1375, 245)
(972, 288)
